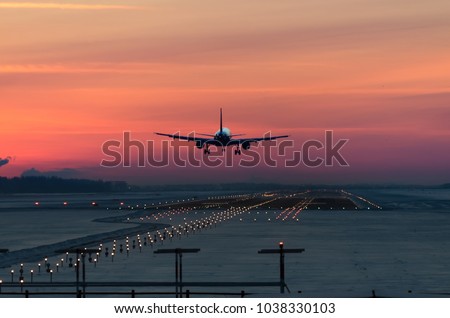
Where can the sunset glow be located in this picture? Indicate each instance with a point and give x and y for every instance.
(64, 6)
(73, 75)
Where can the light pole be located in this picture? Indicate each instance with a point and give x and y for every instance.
(21, 272)
(82, 252)
(282, 251)
(178, 265)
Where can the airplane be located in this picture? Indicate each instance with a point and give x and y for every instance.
(222, 138)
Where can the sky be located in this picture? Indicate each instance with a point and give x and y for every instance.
(74, 74)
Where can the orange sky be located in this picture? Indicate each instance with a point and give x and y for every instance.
(74, 74)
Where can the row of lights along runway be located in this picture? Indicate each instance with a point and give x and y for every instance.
(49, 268)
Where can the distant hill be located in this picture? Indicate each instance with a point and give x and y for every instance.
(53, 184)
(41, 184)
(221, 187)
(275, 186)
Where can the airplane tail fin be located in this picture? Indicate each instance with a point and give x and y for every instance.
(221, 126)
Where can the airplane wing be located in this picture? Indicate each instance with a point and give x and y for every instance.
(188, 138)
(248, 140)
(201, 141)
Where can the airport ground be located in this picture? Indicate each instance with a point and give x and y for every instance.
(355, 246)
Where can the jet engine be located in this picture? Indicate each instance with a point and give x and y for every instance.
(246, 145)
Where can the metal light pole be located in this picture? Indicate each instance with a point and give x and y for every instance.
(281, 251)
(78, 252)
(178, 265)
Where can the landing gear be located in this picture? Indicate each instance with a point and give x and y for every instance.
(237, 151)
(206, 151)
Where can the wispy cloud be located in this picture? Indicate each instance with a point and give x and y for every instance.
(4, 161)
(64, 6)
(79, 68)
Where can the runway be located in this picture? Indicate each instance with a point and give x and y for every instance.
(353, 244)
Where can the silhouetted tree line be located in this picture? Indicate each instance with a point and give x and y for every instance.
(221, 187)
(275, 186)
(58, 185)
